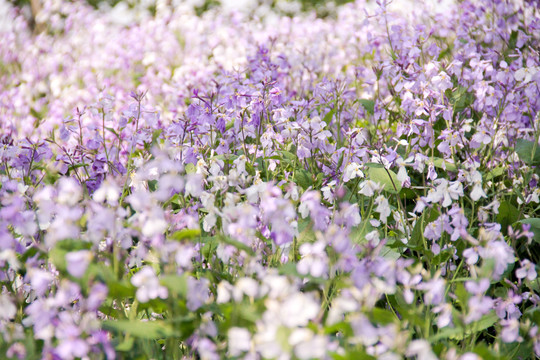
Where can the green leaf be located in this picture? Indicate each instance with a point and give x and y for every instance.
(152, 330)
(308, 235)
(343, 327)
(382, 316)
(352, 355)
(177, 284)
(496, 172)
(517, 350)
(212, 241)
(189, 234)
(485, 322)
(524, 149)
(190, 168)
(485, 352)
(448, 333)
(289, 269)
(152, 185)
(461, 99)
(99, 271)
(462, 294)
(288, 156)
(385, 177)
(358, 233)
(460, 333)
(237, 244)
(155, 135)
(302, 178)
(120, 289)
(113, 131)
(508, 214)
(369, 105)
(443, 164)
(225, 157)
(76, 166)
(328, 117)
(512, 41)
(389, 253)
(534, 314)
(126, 345)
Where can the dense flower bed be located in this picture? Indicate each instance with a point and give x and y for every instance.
(252, 185)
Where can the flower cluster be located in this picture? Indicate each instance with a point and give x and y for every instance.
(256, 185)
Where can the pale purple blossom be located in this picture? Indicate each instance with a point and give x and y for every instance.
(148, 286)
(77, 262)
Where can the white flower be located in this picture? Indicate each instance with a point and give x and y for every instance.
(383, 208)
(202, 167)
(194, 185)
(328, 191)
(148, 286)
(245, 286)
(421, 349)
(475, 178)
(69, 191)
(445, 191)
(209, 221)
(352, 171)
(297, 310)
(239, 341)
(307, 345)
(9, 310)
(108, 191)
(526, 74)
(224, 290)
(403, 177)
(313, 259)
(276, 286)
(368, 188)
(477, 192)
(154, 226)
(373, 237)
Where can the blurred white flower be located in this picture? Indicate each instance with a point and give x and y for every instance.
(148, 286)
(239, 341)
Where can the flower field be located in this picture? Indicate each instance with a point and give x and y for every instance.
(263, 183)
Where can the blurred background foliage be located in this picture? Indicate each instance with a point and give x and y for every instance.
(322, 8)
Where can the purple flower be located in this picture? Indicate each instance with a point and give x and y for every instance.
(479, 305)
(445, 315)
(471, 255)
(197, 293)
(310, 204)
(434, 291)
(433, 231)
(77, 262)
(40, 280)
(477, 288)
(510, 330)
(71, 345)
(97, 295)
(501, 253)
(526, 270)
(16, 350)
